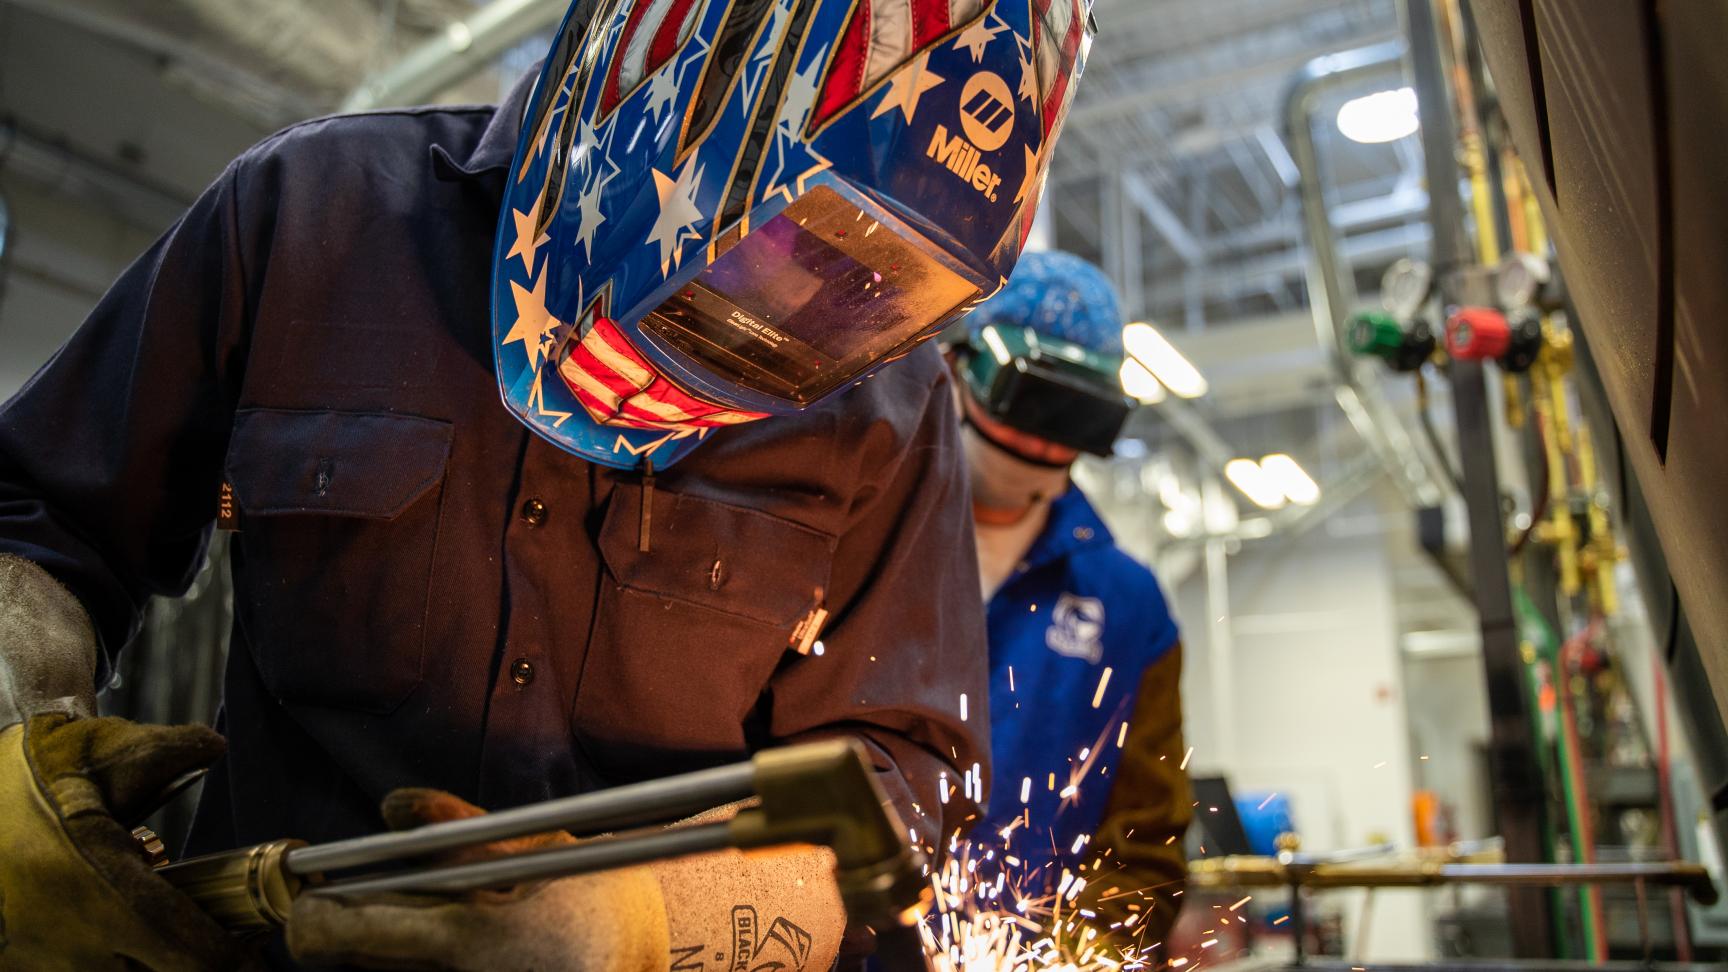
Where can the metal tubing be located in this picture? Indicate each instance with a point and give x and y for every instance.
(585, 858)
(1331, 290)
(1520, 795)
(655, 801)
(1267, 872)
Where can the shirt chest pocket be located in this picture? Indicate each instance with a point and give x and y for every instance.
(689, 632)
(339, 523)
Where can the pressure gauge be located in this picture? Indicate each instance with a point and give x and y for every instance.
(1521, 280)
(1406, 287)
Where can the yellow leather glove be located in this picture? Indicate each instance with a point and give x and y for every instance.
(613, 921)
(75, 892)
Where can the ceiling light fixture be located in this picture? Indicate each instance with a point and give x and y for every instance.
(1157, 355)
(1141, 384)
(1384, 116)
(1288, 476)
(1247, 476)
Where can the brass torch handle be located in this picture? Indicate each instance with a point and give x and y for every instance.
(247, 890)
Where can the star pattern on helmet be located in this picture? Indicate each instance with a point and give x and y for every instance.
(791, 160)
(533, 321)
(977, 38)
(907, 88)
(757, 69)
(1034, 167)
(662, 89)
(664, 86)
(1029, 90)
(678, 213)
(537, 401)
(588, 141)
(588, 214)
(561, 104)
(527, 245)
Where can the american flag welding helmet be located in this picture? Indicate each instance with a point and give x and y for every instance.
(763, 201)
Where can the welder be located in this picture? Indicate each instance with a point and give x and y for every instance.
(1085, 662)
(697, 254)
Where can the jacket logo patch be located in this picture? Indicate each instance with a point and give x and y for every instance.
(1077, 628)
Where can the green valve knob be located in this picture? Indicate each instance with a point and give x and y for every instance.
(1377, 334)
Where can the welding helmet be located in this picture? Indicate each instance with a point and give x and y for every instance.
(1044, 356)
(723, 210)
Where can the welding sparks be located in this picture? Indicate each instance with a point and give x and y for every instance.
(962, 706)
(1103, 683)
(1269, 799)
(1122, 736)
(1186, 757)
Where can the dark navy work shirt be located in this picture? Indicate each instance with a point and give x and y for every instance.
(428, 594)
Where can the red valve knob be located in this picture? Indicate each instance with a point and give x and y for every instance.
(1478, 334)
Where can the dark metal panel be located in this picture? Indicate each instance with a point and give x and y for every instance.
(1595, 74)
(1508, 40)
(1696, 534)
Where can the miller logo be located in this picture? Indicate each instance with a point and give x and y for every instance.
(986, 122)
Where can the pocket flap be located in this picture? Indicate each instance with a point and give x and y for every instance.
(726, 558)
(363, 464)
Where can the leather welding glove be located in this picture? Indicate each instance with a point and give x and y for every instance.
(614, 921)
(75, 891)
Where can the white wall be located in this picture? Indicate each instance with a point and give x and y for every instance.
(1317, 708)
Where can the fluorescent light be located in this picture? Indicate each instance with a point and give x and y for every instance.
(1140, 383)
(1247, 476)
(1291, 479)
(1160, 357)
(1385, 116)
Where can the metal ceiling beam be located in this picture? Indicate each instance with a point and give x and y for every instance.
(250, 94)
(459, 51)
(1201, 86)
(1163, 219)
(72, 171)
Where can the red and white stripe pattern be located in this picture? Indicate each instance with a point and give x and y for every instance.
(881, 38)
(655, 31)
(619, 388)
(1059, 32)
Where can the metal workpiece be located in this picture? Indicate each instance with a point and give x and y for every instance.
(1265, 872)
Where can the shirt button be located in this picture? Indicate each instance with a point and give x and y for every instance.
(522, 671)
(534, 513)
(1082, 533)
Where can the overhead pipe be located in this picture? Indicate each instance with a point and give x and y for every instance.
(463, 48)
(1332, 290)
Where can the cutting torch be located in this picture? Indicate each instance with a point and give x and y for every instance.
(821, 794)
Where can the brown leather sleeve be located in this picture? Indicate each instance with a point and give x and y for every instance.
(1144, 868)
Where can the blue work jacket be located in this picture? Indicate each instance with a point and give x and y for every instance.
(427, 594)
(1073, 632)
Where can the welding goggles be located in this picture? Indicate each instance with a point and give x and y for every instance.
(1056, 390)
